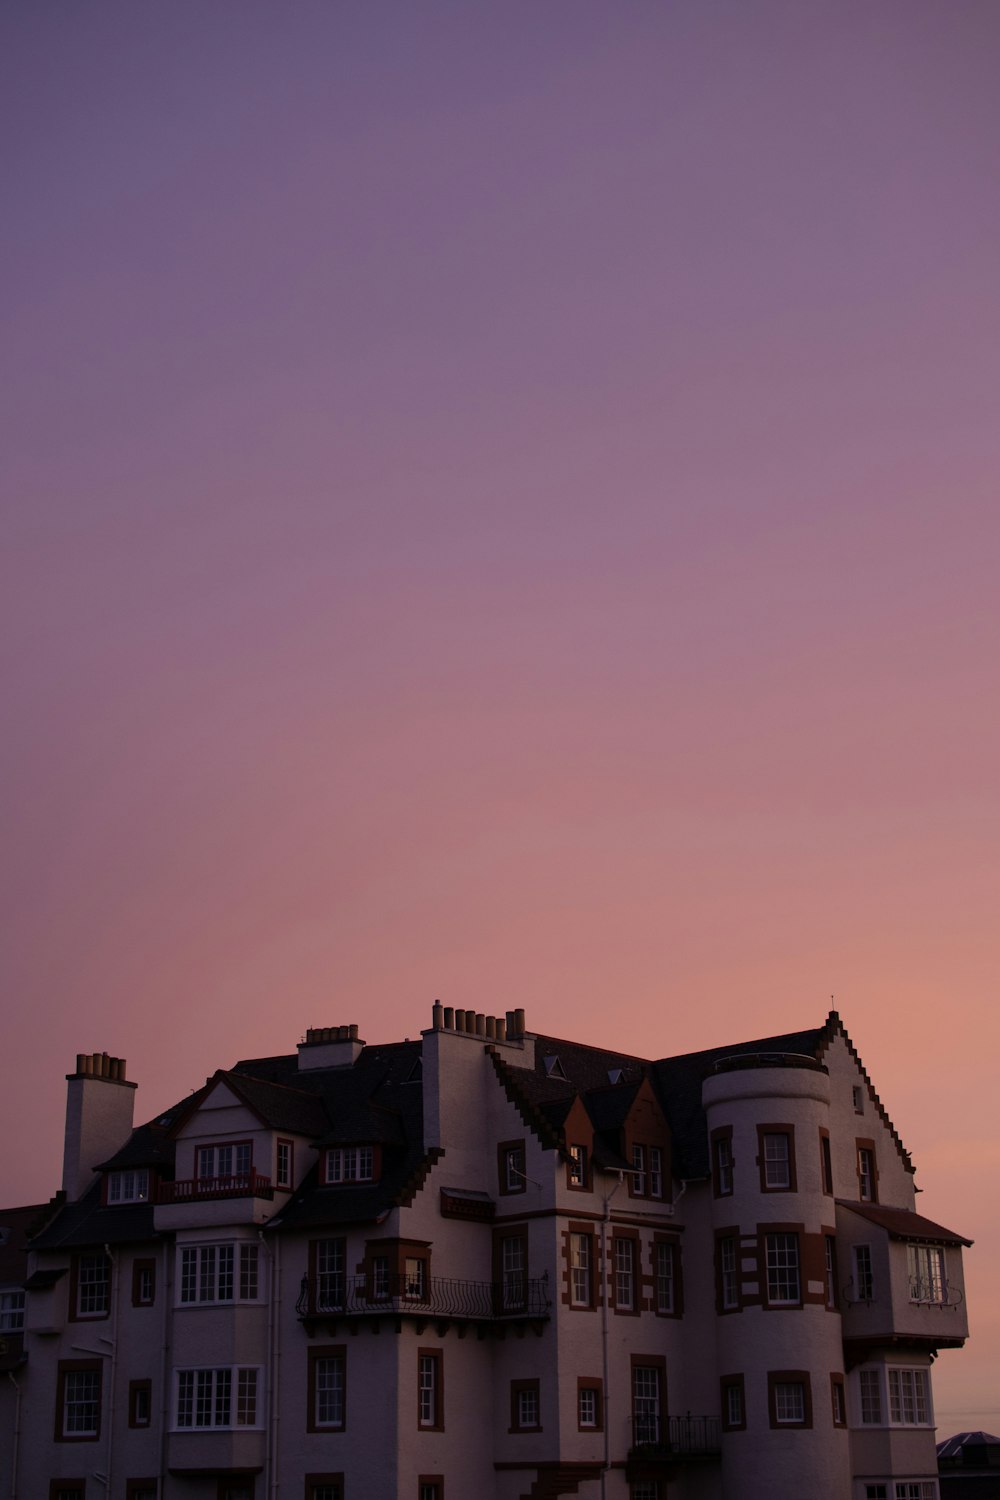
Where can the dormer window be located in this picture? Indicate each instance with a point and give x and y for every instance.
(553, 1067)
(345, 1164)
(616, 1075)
(128, 1187)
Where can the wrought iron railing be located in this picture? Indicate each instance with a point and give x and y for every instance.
(435, 1296)
(934, 1292)
(198, 1189)
(688, 1436)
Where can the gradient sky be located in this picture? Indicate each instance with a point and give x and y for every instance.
(500, 503)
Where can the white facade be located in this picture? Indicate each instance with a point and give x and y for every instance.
(487, 1264)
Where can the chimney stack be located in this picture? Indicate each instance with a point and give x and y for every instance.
(330, 1047)
(99, 1107)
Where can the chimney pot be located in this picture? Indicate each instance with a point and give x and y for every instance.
(501, 1029)
(437, 1015)
(449, 1018)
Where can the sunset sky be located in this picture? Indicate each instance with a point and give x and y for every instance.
(500, 503)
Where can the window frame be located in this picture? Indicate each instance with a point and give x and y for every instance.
(657, 1365)
(866, 1163)
(216, 1148)
(234, 1397)
(77, 1314)
(729, 1236)
(66, 1369)
(525, 1388)
(737, 1384)
(919, 1395)
(776, 1381)
(621, 1238)
(13, 1305)
(243, 1257)
(434, 1358)
(667, 1246)
(825, 1162)
(723, 1162)
(578, 1168)
(512, 1165)
(315, 1357)
(352, 1164)
(511, 1283)
(140, 1399)
(769, 1138)
(932, 1280)
(143, 1266)
(576, 1235)
(590, 1385)
(838, 1399)
(284, 1178)
(138, 1190)
(791, 1234)
(864, 1272)
(316, 1481)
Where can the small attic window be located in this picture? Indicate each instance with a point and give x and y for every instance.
(416, 1073)
(553, 1067)
(616, 1075)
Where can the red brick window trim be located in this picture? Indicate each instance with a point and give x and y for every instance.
(140, 1403)
(776, 1158)
(782, 1271)
(789, 1398)
(668, 1286)
(525, 1406)
(838, 1401)
(733, 1403)
(325, 1486)
(589, 1404)
(327, 1388)
(79, 1384)
(581, 1266)
(626, 1272)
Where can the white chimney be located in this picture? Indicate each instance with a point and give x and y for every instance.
(99, 1107)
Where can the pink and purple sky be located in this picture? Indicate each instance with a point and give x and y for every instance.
(500, 503)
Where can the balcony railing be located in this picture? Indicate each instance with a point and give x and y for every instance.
(689, 1436)
(433, 1297)
(201, 1189)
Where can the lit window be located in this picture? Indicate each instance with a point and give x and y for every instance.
(578, 1166)
(909, 1401)
(216, 1273)
(350, 1164)
(777, 1160)
(128, 1187)
(783, 1284)
(415, 1278)
(11, 1312)
(926, 1266)
(217, 1398)
(580, 1266)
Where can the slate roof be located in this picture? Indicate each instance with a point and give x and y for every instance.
(902, 1224)
(296, 1110)
(90, 1222)
(679, 1081)
(16, 1225)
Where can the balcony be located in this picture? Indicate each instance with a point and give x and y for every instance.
(657, 1439)
(436, 1298)
(205, 1189)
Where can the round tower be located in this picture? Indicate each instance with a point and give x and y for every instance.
(778, 1333)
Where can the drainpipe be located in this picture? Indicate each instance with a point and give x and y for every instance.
(273, 1364)
(605, 1292)
(113, 1341)
(16, 1435)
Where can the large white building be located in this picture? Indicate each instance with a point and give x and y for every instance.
(486, 1263)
